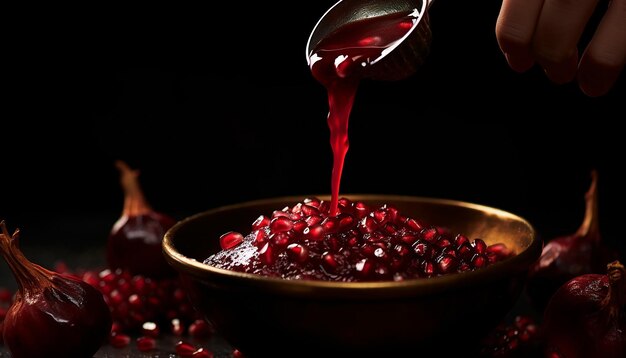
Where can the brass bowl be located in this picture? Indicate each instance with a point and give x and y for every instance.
(272, 317)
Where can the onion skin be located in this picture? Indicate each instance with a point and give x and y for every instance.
(53, 315)
(586, 317)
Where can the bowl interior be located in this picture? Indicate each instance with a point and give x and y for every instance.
(195, 238)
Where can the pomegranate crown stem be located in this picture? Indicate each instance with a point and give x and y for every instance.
(135, 202)
(617, 281)
(590, 225)
(27, 274)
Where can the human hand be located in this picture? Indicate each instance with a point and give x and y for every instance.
(548, 32)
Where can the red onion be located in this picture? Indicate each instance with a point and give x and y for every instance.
(586, 317)
(134, 243)
(53, 315)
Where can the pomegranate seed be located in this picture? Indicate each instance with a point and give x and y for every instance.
(429, 234)
(500, 250)
(139, 284)
(380, 253)
(333, 243)
(465, 251)
(299, 226)
(382, 270)
(266, 254)
(414, 225)
(447, 263)
(298, 253)
(409, 239)
(313, 220)
(230, 240)
(402, 250)
(297, 209)
(480, 246)
(314, 202)
(237, 353)
(379, 215)
(344, 202)
(329, 261)
(346, 221)
(146, 344)
(200, 329)
(324, 207)
(91, 278)
(330, 224)
(478, 261)
(280, 213)
(281, 224)
(135, 301)
(422, 249)
(260, 237)
(184, 349)
(107, 276)
(428, 268)
(119, 340)
(260, 222)
(116, 327)
(202, 353)
(365, 267)
(280, 239)
(390, 228)
(309, 210)
(361, 209)
(315, 233)
(460, 240)
(150, 329)
(115, 297)
(176, 327)
(444, 243)
(367, 225)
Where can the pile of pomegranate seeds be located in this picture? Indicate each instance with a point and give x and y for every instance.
(517, 339)
(148, 313)
(360, 243)
(136, 299)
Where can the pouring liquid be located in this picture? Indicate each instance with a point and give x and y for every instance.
(339, 62)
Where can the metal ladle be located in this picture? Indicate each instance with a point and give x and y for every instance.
(405, 56)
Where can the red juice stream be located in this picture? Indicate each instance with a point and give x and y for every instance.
(338, 63)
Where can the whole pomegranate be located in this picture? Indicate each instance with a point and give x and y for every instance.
(134, 243)
(52, 315)
(586, 317)
(566, 257)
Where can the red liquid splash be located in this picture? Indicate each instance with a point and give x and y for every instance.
(338, 62)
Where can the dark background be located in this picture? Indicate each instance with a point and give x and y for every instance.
(217, 105)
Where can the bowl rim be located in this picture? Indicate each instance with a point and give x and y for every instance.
(420, 286)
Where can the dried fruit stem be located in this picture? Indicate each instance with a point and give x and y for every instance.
(135, 203)
(616, 297)
(28, 274)
(590, 226)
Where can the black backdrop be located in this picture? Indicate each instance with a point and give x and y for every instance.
(217, 105)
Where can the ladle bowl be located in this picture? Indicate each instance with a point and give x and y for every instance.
(403, 58)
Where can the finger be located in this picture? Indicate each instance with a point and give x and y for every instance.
(605, 55)
(558, 31)
(514, 31)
